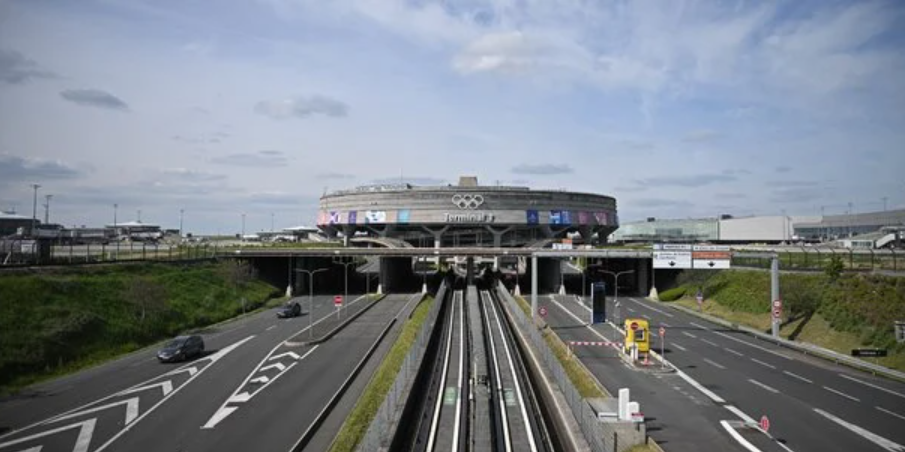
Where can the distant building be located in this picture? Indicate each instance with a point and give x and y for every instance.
(137, 231)
(12, 223)
(833, 227)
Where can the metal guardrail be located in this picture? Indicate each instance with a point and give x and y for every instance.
(380, 430)
(803, 347)
(601, 436)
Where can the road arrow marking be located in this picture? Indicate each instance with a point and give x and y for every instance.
(219, 416)
(279, 366)
(131, 410)
(239, 398)
(261, 380)
(293, 355)
(165, 386)
(191, 370)
(86, 429)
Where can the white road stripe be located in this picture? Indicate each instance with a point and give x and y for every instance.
(890, 412)
(709, 342)
(899, 394)
(665, 324)
(739, 438)
(689, 334)
(733, 351)
(645, 316)
(651, 308)
(797, 376)
(679, 347)
(763, 363)
(741, 414)
(768, 388)
(837, 392)
(630, 309)
(270, 327)
(870, 436)
(727, 336)
(714, 364)
(698, 326)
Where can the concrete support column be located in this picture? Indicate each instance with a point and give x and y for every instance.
(533, 286)
(469, 271)
(497, 242)
(642, 276)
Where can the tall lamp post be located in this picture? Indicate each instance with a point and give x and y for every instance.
(243, 226)
(310, 274)
(181, 215)
(47, 199)
(34, 209)
(616, 276)
(346, 276)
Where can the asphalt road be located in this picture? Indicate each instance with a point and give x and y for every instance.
(812, 404)
(678, 417)
(258, 388)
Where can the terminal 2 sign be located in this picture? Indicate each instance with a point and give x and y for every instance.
(470, 217)
(706, 257)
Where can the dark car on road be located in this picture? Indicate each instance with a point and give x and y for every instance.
(181, 348)
(289, 310)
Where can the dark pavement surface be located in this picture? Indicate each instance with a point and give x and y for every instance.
(137, 404)
(812, 404)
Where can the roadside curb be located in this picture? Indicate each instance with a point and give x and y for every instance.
(345, 323)
(803, 347)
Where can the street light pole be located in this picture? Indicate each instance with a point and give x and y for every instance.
(616, 282)
(47, 208)
(243, 226)
(346, 276)
(34, 210)
(310, 274)
(181, 214)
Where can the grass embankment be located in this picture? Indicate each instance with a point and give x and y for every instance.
(57, 321)
(356, 425)
(839, 312)
(581, 379)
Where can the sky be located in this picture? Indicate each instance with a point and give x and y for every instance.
(676, 108)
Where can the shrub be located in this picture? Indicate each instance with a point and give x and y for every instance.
(672, 294)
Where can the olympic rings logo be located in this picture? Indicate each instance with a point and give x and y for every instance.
(467, 202)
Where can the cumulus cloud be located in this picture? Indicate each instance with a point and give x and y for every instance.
(18, 169)
(266, 158)
(544, 169)
(782, 169)
(334, 176)
(191, 175)
(15, 68)
(302, 107)
(689, 181)
(700, 136)
(94, 98)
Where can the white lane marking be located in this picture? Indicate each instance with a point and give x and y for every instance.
(689, 334)
(597, 333)
(797, 376)
(741, 414)
(165, 386)
(644, 305)
(739, 438)
(292, 355)
(763, 363)
(191, 370)
(86, 429)
(838, 392)
(679, 347)
(630, 309)
(865, 383)
(270, 327)
(698, 326)
(733, 351)
(709, 342)
(868, 435)
(768, 388)
(131, 410)
(665, 324)
(458, 418)
(727, 336)
(220, 415)
(890, 412)
(714, 364)
(260, 380)
(278, 366)
(699, 387)
(645, 316)
(442, 386)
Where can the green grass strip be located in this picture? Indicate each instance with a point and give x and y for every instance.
(356, 425)
(581, 379)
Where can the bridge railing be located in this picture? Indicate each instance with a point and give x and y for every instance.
(816, 259)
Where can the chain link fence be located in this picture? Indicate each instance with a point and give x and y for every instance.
(817, 258)
(601, 436)
(380, 431)
(29, 252)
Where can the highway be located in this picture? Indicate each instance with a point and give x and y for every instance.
(812, 404)
(260, 386)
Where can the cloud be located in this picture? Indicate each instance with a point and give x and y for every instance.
(20, 169)
(268, 158)
(792, 183)
(630, 189)
(274, 198)
(544, 169)
(660, 202)
(736, 171)
(15, 68)
(637, 145)
(730, 196)
(190, 175)
(302, 107)
(333, 176)
(424, 181)
(94, 98)
(782, 169)
(700, 136)
(690, 181)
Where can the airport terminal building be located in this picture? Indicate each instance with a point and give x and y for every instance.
(466, 214)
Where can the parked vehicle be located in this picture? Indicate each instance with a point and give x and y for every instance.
(291, 309)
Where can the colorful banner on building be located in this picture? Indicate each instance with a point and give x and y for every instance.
(532, 217)
(352, 218)
(403, 216)
(601, 218)
(375, 217)
(321, 218)
(562, 217)
(566, 216)
(583, 218)
(335, 218)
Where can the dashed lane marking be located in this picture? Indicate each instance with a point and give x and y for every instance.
(865, 383)
(797, 376)
(838, 392)
(891, 413)
(763, 363)
(887, 444)
(714, 364)
(761, 385)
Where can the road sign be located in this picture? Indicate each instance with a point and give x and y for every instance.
(634, 325)
(672, 259)
(338, 300)
(707, 257)
(764, 423)
(777, 313)
(777, 304)
(542, 311)
(871, 352)
(662, 331)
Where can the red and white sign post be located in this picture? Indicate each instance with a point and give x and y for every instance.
(542, 311)
(338, 302)
(764, 423)
(662, 332)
